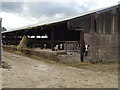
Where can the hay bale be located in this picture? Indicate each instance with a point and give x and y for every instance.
(23, 43)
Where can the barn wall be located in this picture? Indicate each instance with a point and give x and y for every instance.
(106, 47)
(106, 36)
(101, 33)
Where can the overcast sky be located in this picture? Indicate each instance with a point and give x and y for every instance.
(19, 14)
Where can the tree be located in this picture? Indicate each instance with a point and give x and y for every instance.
(4, 29)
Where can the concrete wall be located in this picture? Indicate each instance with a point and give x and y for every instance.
(101, 33)
(102, 47)
(61, 57)
(31, 52)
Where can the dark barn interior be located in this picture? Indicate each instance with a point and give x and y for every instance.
(55, 34)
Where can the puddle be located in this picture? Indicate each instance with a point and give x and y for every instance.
(41, 67)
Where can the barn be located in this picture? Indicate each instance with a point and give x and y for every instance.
(98, 28)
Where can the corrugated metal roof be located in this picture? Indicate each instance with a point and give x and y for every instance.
(97, 11)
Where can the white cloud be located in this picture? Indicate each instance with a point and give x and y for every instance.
(105, 3)
(59, 15)
(42, 13)
(10, 20)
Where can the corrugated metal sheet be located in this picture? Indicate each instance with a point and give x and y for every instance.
(100, 23)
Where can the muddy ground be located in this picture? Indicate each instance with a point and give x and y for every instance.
(27, 72)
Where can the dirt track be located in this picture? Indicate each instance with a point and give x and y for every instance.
(30, 73)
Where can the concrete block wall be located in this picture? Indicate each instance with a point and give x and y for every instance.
(102, 47)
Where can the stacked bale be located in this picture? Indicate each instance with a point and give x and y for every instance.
(23, 43)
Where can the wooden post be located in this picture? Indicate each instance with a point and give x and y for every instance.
(16, 38)
(82, 45)
(118, 16)
(52, 39)
(93, 40)
(35, 38)
(0, 42)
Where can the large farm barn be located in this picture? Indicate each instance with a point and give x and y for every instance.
(99, 29)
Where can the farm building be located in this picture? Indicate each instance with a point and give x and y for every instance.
(98, 29)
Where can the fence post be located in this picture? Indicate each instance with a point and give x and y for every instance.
(0, 41)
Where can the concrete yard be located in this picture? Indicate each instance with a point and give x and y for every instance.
(27, 72)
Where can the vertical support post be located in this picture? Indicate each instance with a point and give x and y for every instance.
(16, 38)
(0, 42)
(8, 39)
(35, 39)
(118, 33)
(118, 27)
(93, 40)
(82, 45)
(52, 39)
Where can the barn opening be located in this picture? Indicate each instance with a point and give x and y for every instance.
(46, 36)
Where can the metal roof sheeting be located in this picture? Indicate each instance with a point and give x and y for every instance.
(97, 11)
